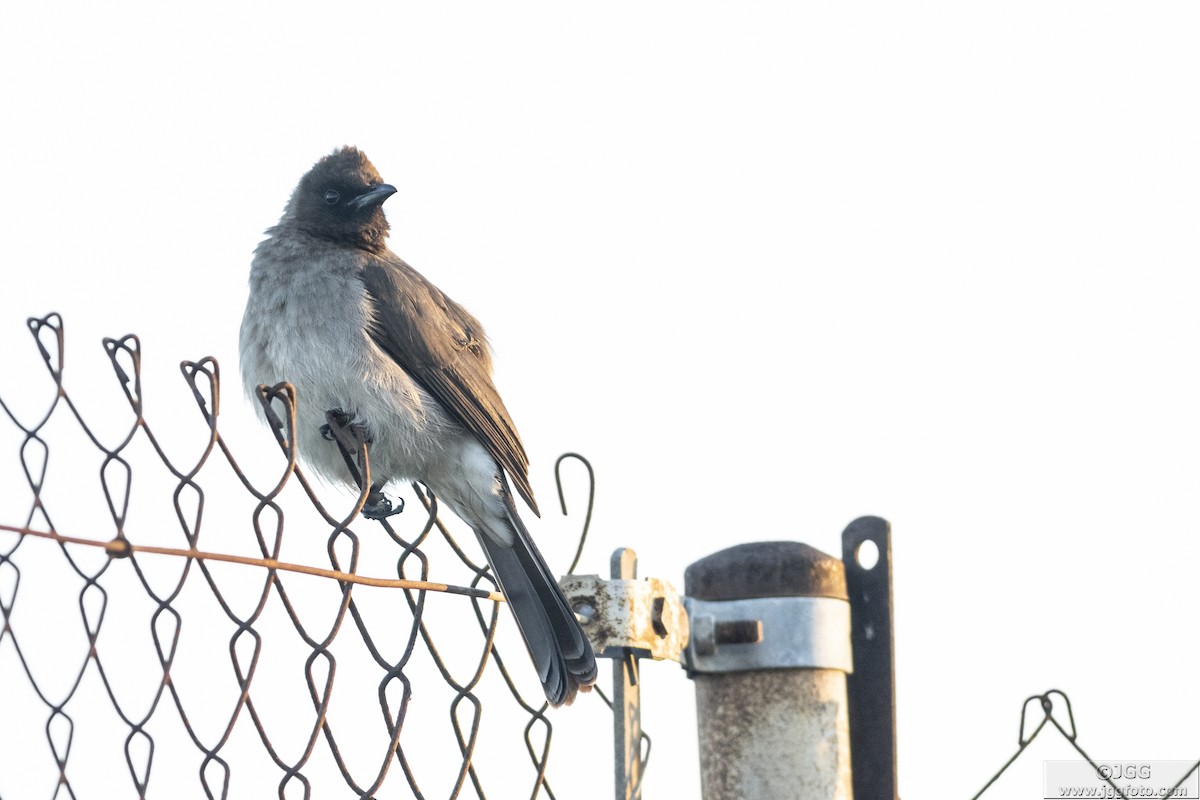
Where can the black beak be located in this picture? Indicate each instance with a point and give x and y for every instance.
(373, 197)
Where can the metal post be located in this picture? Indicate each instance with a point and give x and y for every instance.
(627, 701)
(627, 620)
(769, 653)
(873, 684)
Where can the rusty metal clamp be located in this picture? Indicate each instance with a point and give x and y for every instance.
(645, 615)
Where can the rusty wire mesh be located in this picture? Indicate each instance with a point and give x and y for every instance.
(412, 662)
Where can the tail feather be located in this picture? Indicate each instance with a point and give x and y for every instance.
(559, 649)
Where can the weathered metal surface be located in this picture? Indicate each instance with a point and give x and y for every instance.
(774, 735)
(643, 615)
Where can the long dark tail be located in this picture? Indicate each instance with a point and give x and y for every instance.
(559, 649)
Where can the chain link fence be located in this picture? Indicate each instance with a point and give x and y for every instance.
(1064, 722)
(206, 656)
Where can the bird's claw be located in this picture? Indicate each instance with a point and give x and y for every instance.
(327, 433)
(378, 506)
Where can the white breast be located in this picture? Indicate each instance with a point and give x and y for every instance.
(306, 323)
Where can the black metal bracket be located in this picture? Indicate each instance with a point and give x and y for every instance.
(872, 685)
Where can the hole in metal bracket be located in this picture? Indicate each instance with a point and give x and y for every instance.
(867, 554)
(585, 613)
(656, 616)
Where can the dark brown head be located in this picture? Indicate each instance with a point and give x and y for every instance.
(341, 200)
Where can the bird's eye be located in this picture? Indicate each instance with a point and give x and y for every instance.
(332, 197)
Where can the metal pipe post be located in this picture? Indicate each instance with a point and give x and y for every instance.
(769, 653)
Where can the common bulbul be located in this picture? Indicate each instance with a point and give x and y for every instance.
(360, 333)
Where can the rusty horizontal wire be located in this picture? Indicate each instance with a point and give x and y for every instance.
(121, 548)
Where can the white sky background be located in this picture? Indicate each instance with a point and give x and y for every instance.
(770, 266)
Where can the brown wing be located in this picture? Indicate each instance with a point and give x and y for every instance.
(442, 347)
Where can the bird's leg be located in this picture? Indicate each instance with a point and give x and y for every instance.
(335, 417)
(378, 506)
(338, 428)
(348, 438)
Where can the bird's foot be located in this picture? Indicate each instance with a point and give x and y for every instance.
(338, 416)
(378, 506)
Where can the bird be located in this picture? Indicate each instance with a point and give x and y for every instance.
(362, 335)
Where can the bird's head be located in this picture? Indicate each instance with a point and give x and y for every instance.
(341, 199)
